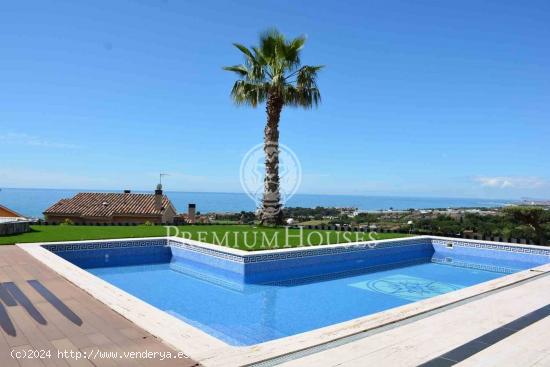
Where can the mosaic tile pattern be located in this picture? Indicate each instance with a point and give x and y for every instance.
(492, 246)
(78, 246)
(407, 287)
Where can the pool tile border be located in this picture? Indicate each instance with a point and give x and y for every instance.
(489, 245)
(246, 257)
(103, 245)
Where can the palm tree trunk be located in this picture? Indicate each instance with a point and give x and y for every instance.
(271, 206)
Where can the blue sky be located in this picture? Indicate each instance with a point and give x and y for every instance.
(423, 98)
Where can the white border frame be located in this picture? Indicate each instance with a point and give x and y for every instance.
(212, 352)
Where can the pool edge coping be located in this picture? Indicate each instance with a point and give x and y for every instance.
(211, 351)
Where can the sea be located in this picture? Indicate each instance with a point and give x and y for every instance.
(32, 202)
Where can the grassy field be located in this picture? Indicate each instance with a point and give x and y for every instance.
(238, 236)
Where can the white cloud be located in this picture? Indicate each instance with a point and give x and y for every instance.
(509, 182)
(32, 140)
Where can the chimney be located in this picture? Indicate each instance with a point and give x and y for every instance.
(158, 197)
(127, 191)
(191, 213)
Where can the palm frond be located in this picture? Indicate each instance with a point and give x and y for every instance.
(302, 97)
(247, 93)
(274, 68)
(239, 69)
(270, 40)
(245, 51)
(307, 76)
(292, 52)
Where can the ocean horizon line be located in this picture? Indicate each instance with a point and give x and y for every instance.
(396, 196)
(32, 202)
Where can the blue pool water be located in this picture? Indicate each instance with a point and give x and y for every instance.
(245, 314)
(245, 300)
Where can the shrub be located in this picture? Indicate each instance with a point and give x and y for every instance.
(67, 222)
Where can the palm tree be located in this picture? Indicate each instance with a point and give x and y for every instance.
(272, 73)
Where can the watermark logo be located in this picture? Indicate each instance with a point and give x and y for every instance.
(373, 235)
(253, 172)
(258, 239)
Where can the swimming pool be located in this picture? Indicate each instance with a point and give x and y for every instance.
(244, 299)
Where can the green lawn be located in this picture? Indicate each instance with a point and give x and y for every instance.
(314, 222)
(239, 236)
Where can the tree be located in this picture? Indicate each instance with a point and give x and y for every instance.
(272, 73)
(537, 218)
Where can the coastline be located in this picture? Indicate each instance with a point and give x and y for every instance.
(32, 202)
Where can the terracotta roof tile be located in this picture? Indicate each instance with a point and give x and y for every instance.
(92, 204)
(7, 212)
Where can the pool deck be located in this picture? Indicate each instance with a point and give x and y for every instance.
(428, 341)
(100, 329)
(411, 344)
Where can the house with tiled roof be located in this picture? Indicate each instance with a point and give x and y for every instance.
(12, 222)
(8, 215)
(113, 208)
